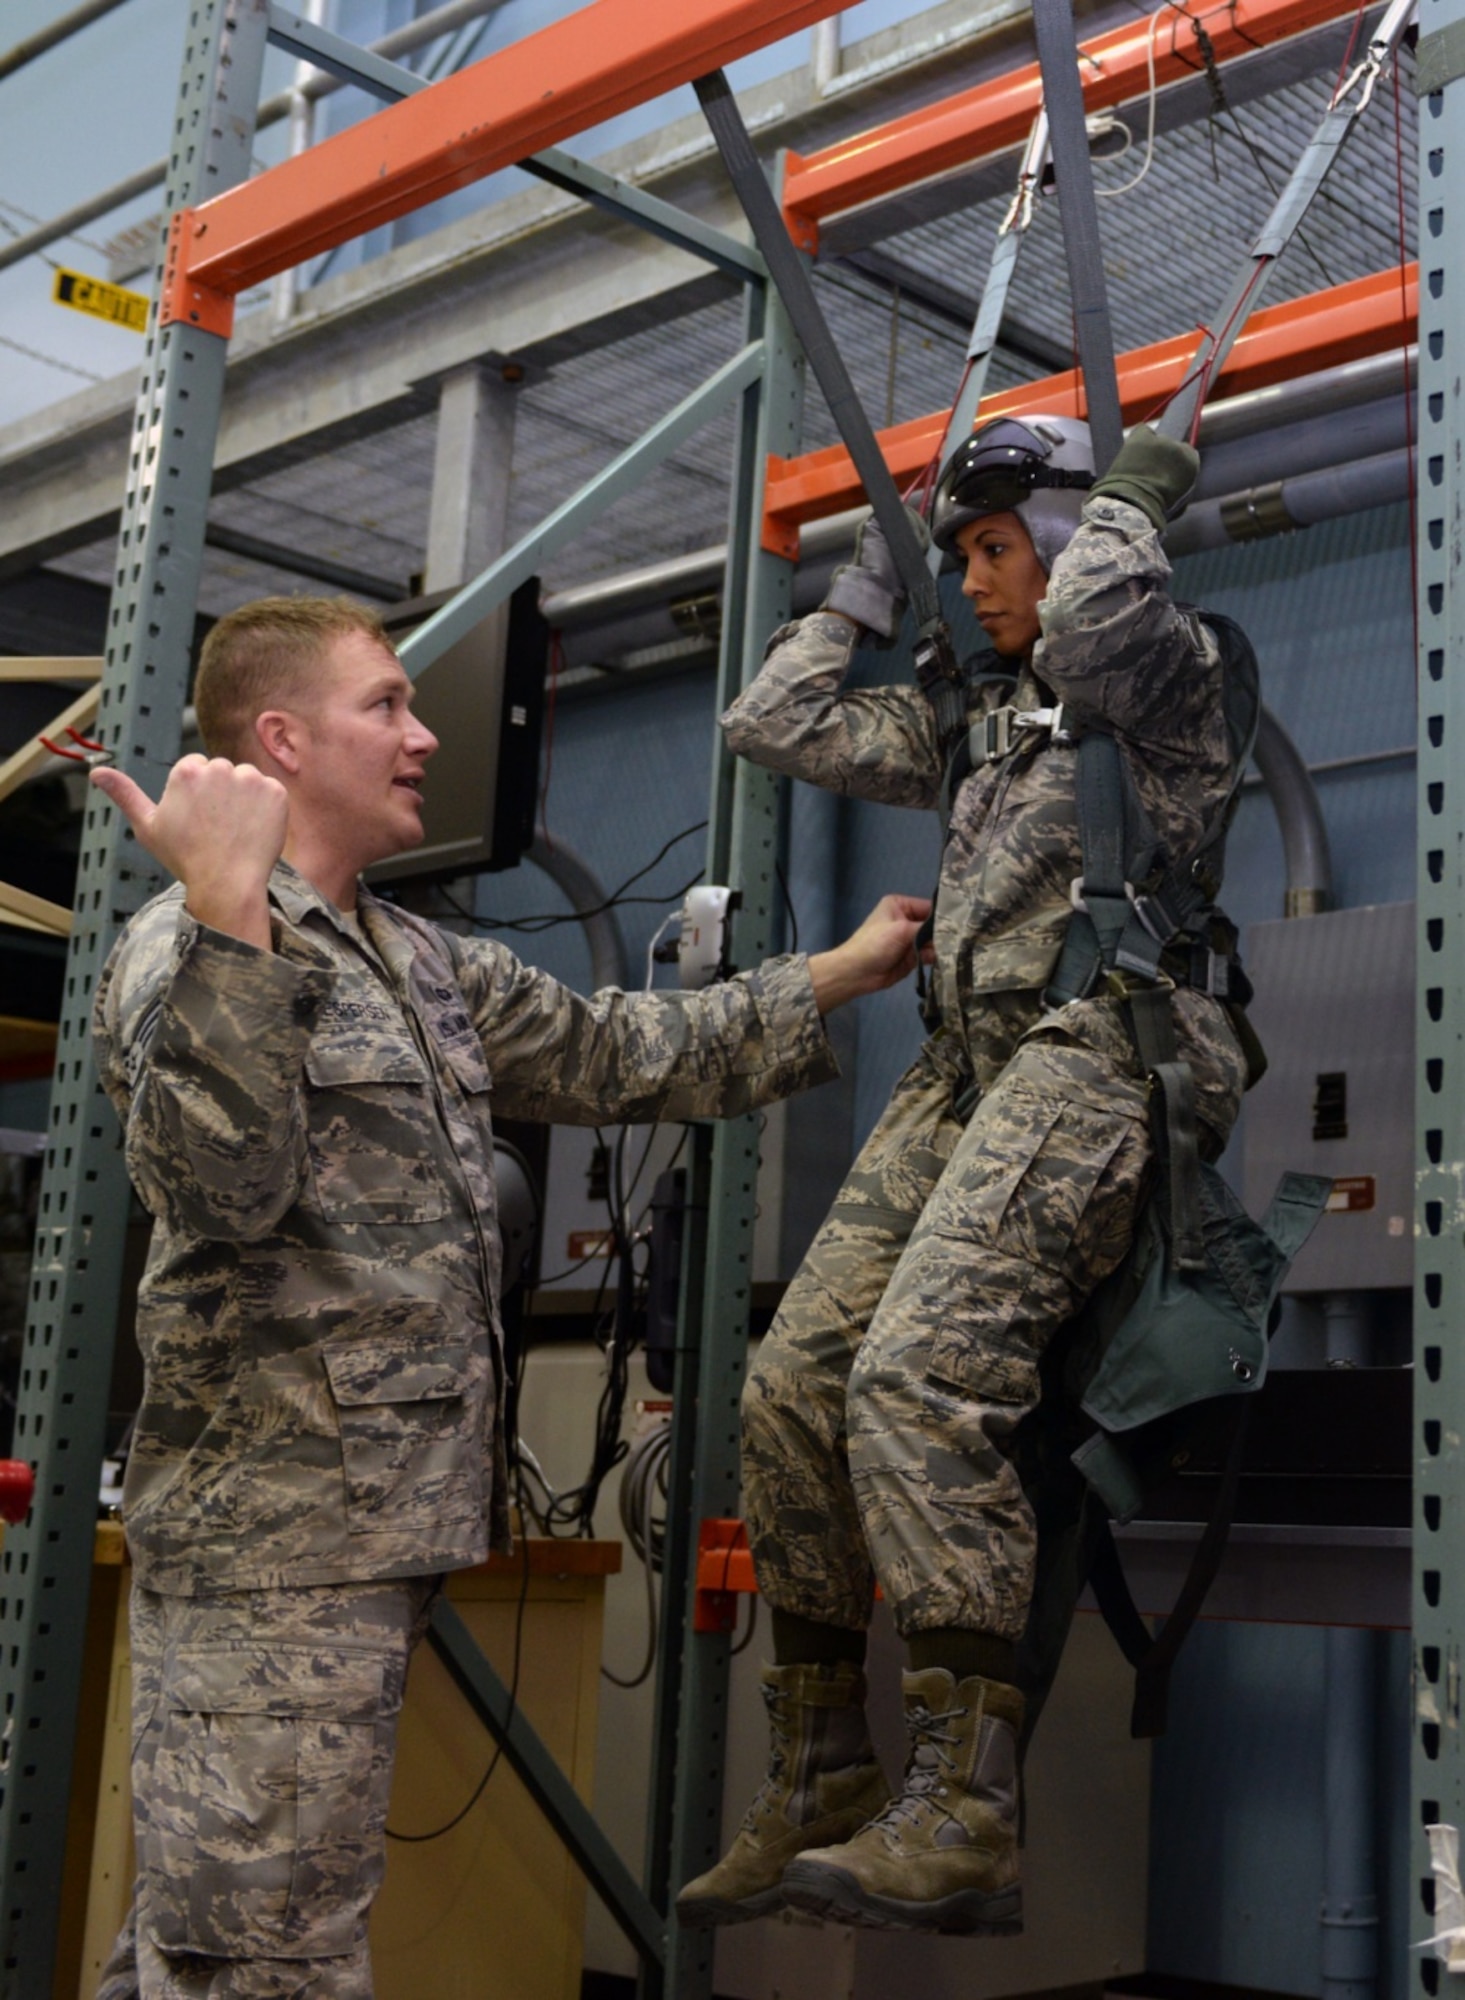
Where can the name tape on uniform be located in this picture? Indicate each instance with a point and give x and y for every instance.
(103, 301)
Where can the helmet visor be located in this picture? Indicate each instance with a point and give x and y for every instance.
(995, 470)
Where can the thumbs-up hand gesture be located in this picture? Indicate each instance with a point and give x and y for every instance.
(219, 828)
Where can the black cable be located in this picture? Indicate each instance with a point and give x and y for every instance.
(569, 1271)
(547, 921)
(747, 1638)
(533, 926)
(788, 903)
(417, 1839)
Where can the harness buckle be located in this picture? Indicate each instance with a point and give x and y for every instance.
(1050, 719)
(1152, 914)
(934, 661)
(997, 734)
(994, 734)
(1124, 986)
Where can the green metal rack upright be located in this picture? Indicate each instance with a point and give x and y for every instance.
(67, 1359)
(1439, 1298)
(85, 1197)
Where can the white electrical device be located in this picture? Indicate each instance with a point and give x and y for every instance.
(702, 950)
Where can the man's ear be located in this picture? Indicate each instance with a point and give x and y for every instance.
(278, 734)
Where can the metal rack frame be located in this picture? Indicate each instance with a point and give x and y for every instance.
(1438, 1777)
(227, 233)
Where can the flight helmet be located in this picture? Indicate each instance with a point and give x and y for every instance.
(1038, 468)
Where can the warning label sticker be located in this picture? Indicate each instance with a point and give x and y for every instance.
(1352, 1195)
(101, 300)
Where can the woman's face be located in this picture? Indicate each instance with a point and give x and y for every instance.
(1004, 581)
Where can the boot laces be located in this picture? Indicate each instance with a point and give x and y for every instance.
(765, 1799)
(931, 1763)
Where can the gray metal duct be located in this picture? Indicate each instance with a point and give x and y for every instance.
(59, 31)
(1277, 458)
(1306, 855)
(1366, 430)
(1285, 503)
(564, 867)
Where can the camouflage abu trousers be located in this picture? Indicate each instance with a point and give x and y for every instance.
(264, 1726)
(879, 1410)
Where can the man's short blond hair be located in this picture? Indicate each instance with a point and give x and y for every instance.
(266, 655)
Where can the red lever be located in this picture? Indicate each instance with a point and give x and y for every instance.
(17, 1486)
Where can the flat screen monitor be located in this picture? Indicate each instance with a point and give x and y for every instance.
(484, 701)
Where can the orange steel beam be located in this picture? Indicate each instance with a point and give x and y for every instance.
(582, 69)
(997, 115)
(1319, 331)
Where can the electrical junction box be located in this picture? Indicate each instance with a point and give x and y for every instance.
(1334, 1008)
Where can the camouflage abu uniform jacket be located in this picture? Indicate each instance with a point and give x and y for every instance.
(311, 1132)
(1115, 646)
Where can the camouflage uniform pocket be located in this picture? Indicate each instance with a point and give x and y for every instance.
(1041, 1229)
(971, 1359)
(268, 1801)
(404, 1406)
(374, 1131)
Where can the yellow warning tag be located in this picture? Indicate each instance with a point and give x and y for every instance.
(101, 300)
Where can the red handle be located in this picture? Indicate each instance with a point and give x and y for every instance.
(17, 1486)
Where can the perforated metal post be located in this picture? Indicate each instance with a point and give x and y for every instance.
(692, 1681)
(66, 1369)
(1439, 1299)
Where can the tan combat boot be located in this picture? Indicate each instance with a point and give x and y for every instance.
(943, 1854)
(823, 1782)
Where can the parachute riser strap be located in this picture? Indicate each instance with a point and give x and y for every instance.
(1148, 1010)
(1313, 167)
(787, 270)
(1099, 919)
(1152, 1659)
(1078, 209)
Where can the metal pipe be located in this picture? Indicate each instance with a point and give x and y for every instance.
(301, 117)
(1365, 430)
(1308, 859)
(638, 608)
(824, 53)
(1349, 1329)
(49, 38)
(1350, 1915)
(1368, 380)
(1320, 495)
(1378, 379)
(609, 965)
(401, 41)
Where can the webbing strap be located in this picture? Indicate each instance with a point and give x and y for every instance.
(1176, 1085)
(935, 658)
(1177, 1139)
(1109, 934)
(1152, 1658)
(948, 704)
(1078, 210)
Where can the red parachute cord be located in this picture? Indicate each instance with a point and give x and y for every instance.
(1209, 367)
(918, 493)
(1404, 360)
(1363, 6)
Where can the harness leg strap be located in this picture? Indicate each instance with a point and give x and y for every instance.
(1176, 1086)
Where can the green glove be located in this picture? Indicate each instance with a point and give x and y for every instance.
(1152, 473)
